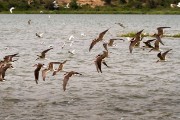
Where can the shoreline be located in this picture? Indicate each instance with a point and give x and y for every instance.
(158, 12)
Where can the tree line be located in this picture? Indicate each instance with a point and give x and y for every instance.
(49, 5)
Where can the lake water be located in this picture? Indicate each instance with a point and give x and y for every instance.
(135, 87)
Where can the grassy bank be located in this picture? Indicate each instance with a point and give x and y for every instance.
(132, 34)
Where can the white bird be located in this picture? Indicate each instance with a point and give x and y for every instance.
(12, 8)
(54, 2)
(178, 4)
(67, 5)
(71, 43)
(71, 37)
(82, 34)
(63, 45)
(41, 11)
(72, 52)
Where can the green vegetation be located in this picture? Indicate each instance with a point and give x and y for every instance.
(111, 7)
(132, 34)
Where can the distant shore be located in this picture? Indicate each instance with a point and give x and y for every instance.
(175, 11)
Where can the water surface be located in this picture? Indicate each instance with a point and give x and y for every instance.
(135, 87)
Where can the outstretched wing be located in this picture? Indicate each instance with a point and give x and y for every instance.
(101, 35)
(165, 53)
(65, 81)
(45, 51)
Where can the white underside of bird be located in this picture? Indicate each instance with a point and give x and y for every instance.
(12, 8)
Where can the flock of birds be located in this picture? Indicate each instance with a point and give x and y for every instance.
(7, 61)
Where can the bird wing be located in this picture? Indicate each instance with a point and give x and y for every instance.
(105, 64)
(139, 33)
(105, 46)
(132, 44)
(164, 54)
(45, 51)
(92, 44)
(44, 73)
(36, 75)
(101, 35)
(160, 30)
(149, 41)
(98, 63)
(65, 81)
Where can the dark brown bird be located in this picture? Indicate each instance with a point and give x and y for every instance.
(111, 41)
(66, 78)
(96, 40)
(59, 68)
(3, 69)
(156, 46)
(134, 41)
(120, 24)
(160, 31)
(148, 43)
(43, 54)
(99, 60)
(36, 71)
(49, 68)
(29, 22)
(162, 56)
(9, 58)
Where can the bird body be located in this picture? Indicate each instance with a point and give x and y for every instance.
(156, 46)
(3, 68)
(49, 68)
(96, 40)
(61, 65)
(99, 60)
(162, 56)
(66, 78)
(39, 35)
(43, 54)
(36, 71)
(134, 41)
(148, 43)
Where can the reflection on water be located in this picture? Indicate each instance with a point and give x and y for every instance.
(134, 87)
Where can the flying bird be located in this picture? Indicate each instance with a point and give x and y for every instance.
(135, 40)
(162, 56)
(39, 35)
(11, 9)
(67, 76)
(99, 60)
(120, 24)
(96, 40)
(111, 41)
(43, 54)
(67, 5)
(3, 68)
(49, 68)
(160, 31)
(9, 58)
(36, 71)
(61, 65)
(148, 43)
(29, 22)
